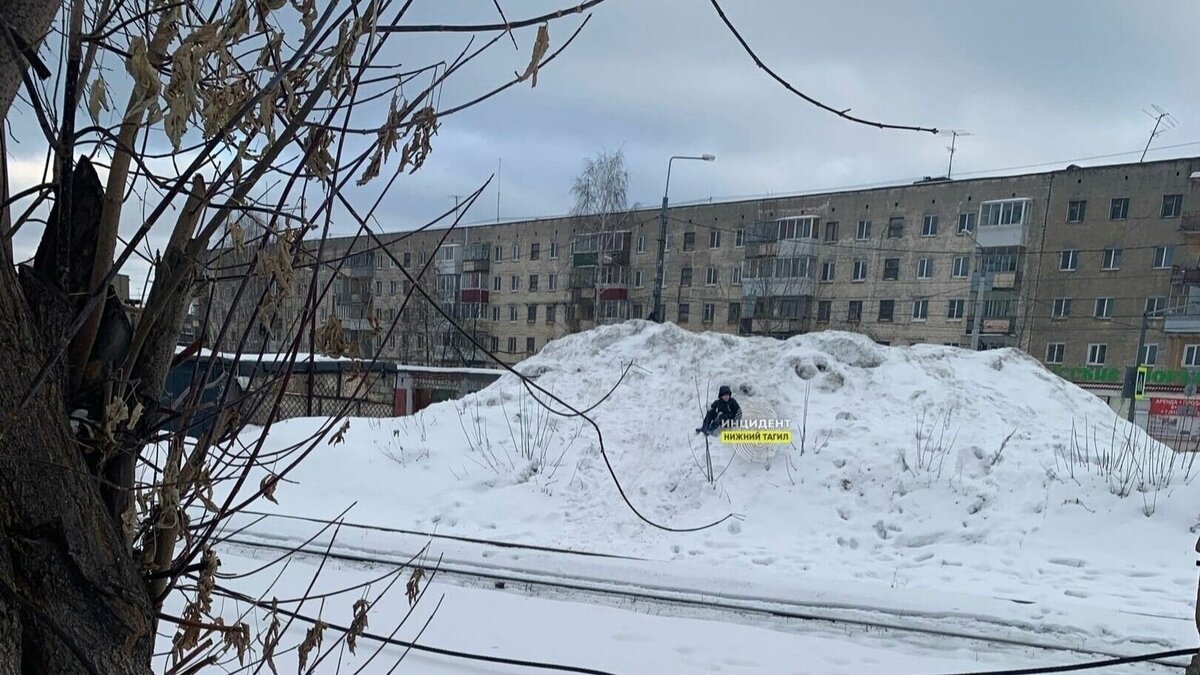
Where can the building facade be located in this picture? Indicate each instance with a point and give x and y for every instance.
(1062, 264)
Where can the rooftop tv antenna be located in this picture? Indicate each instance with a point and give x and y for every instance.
(954, 134)
(1163, 122)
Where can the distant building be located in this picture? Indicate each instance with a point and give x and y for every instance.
(1061, 264)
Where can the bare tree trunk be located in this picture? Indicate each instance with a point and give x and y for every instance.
(64, 568)
(28, 21)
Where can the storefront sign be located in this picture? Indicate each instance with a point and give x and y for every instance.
(1102, 375)
(1174, 419)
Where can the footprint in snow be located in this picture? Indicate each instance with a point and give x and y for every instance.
(1067, 562)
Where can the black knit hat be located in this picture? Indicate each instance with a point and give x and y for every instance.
(724, 390)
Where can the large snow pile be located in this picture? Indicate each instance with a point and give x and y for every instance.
(914, 469)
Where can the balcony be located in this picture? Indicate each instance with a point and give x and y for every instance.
(1005, 280)
(1182, 276)
(479, 295)
(606, 248)
(476, 258)
(997, 326)
(1184, 320)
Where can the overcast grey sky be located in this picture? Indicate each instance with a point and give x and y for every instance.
(1034, 82)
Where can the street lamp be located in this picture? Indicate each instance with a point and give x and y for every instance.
(662, 234)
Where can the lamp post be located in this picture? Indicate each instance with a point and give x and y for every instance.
(662, 235)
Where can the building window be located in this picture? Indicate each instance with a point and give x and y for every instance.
(1191, 356)
(1068, 261)
(1163, 256)
(378, 288)
(1097, 354)
(1076, 210)
(498, 254)
(831, 231)
(516, 251)
(529, 345)
(685, 277)
(891, 269)
(553, 249)
(1149, 355)
(638, 279)
(684, 312)
(739, 238)
(1055, 351)
(710, 276)
(1119, 208)
(515, 283)
(512, 312)
(735, 312)
(533, 283)
(925, 268)
(1062, 308)
(407, 258)
(824, 310)
(1172, 206)
(448, 253)
(495, 312)
(552, 282)
(854, 312)
(531, 313)
(860, 270)
(641, 245)
(798, 228)
(886, 309)
(961, 267)
(512, 345)
(735, 275)
(929, 227)
(1104, 308)
(827, 271)
(955, 309)
(689, 241)
(966, 223)
(1155, 306)
(710, 312)
(864, 230)
(714, 239)
(920, 309)
(551, 313)
(637, 310)
(495, 343)
(394, 287)
(1111, 259)
(535, 251)
(1005, 212)
(895, 228)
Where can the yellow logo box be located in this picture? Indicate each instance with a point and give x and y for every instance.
(756, 436)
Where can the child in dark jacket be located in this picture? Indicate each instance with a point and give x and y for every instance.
(723, 409)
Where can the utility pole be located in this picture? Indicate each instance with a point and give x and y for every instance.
(982, 286)
(1137, 363)
(662, 236)
(658, 268)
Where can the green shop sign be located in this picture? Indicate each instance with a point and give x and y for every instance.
(1085, 374)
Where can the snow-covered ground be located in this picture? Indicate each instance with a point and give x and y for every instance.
(633, 638)
(925, 480)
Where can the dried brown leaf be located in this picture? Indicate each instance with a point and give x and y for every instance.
(312, 640)
(413, 587)
(98, 98)
(145, 78)
(268, 485)
(340, 436)
(540, 45)
(359, 624)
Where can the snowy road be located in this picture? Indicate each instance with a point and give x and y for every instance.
(681, 632)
